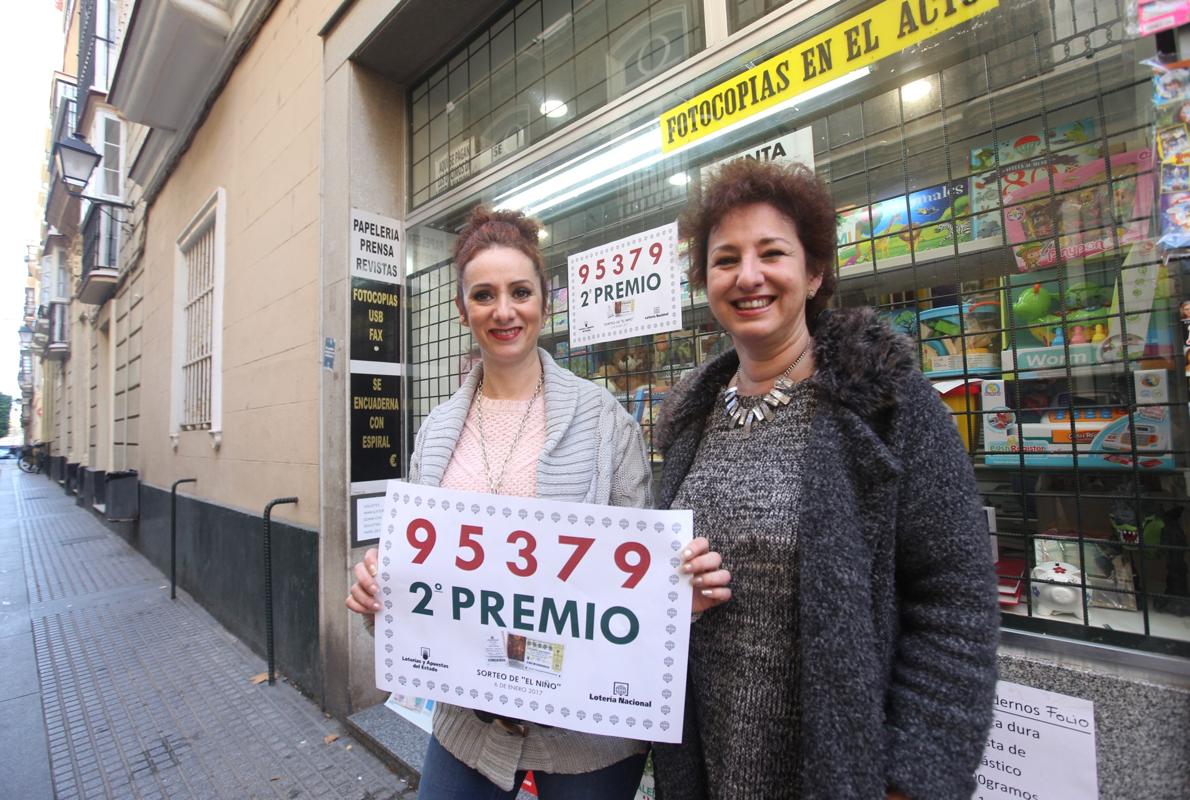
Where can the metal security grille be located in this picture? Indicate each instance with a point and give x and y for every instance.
(1042, 312)
(199, 255)
(996, 204)
(537, 68)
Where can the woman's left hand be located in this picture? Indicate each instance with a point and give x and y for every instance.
(710, 580)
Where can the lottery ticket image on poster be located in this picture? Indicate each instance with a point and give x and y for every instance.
(525, 653)
(535, 655)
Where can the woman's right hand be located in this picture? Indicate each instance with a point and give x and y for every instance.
(362, 599)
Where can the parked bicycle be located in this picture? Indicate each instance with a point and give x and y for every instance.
(33, 457)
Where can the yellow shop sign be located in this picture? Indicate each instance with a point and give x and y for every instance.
(864, 39)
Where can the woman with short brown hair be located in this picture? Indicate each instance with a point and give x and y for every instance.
(846, 643)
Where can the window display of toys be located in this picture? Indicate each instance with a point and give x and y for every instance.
(1010, 575)
(1050, 426)
(962, 398)
(624, 368)
(674, 350)
(1106, 569)
(947, 346)
(1046, 336)
(1079, 223)
(1057, 589)
(1085, 317)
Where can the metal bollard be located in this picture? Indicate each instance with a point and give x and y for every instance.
(268, 580)
(173, 535)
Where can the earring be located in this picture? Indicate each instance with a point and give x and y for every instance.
(812, 293)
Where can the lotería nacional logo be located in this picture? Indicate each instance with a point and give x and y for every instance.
(620, 695)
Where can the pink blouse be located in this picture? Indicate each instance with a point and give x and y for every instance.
(501, 419)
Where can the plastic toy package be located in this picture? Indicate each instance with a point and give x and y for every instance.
(1147, 17)
(1171, 104)
(1038, 424)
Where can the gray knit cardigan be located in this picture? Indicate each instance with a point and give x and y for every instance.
(593, 453)
(897, 611)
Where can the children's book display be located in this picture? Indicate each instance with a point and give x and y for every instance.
(893, 230)
(1171, 107)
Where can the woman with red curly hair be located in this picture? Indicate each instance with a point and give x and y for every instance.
(520, 425)
(846, 641)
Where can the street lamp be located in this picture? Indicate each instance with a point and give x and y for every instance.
(76, 160)
(26, 334)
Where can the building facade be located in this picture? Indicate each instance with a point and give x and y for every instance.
(279, 319)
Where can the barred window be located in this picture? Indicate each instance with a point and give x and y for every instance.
(200, 295)
(197, 340)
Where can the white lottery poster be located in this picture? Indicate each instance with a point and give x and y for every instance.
(630, 287)
(1041, 746)
(568, 614)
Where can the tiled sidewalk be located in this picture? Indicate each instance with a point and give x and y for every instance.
(110, 689)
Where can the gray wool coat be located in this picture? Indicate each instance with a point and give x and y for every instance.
(898, 613)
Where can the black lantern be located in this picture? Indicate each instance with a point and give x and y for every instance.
(26, 334)
(75, 160)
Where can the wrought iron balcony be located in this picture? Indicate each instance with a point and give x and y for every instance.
(41, 323)
(101, 250)
(59, 203)
(58, 344)
(25, 375)
(97, 46)
(64, 122)
(30, 303)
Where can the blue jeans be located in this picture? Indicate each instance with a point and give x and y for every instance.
(444, 777)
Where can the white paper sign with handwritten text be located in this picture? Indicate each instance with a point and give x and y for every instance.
(1041, 747)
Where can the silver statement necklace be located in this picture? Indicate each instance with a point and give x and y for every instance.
(780, 395)
(494, 485)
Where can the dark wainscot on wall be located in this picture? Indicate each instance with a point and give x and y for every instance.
(221, 565)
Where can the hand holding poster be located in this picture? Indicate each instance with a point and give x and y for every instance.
(567, 614)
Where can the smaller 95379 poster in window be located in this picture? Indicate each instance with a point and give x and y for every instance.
(630, 287)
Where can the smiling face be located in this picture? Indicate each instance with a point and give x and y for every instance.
(757, 277)
(503, 304)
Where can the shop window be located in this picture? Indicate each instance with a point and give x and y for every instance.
(741, 13)
(538, 68)
(198, 316)
(996, 204)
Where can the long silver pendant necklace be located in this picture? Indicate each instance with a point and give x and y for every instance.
(780, 395)
(494, 486)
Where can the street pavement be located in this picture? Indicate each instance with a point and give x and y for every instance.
(108, 689)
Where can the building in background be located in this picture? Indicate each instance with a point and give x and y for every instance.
(215, 313)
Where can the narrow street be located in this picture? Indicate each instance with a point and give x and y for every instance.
(110, 689)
